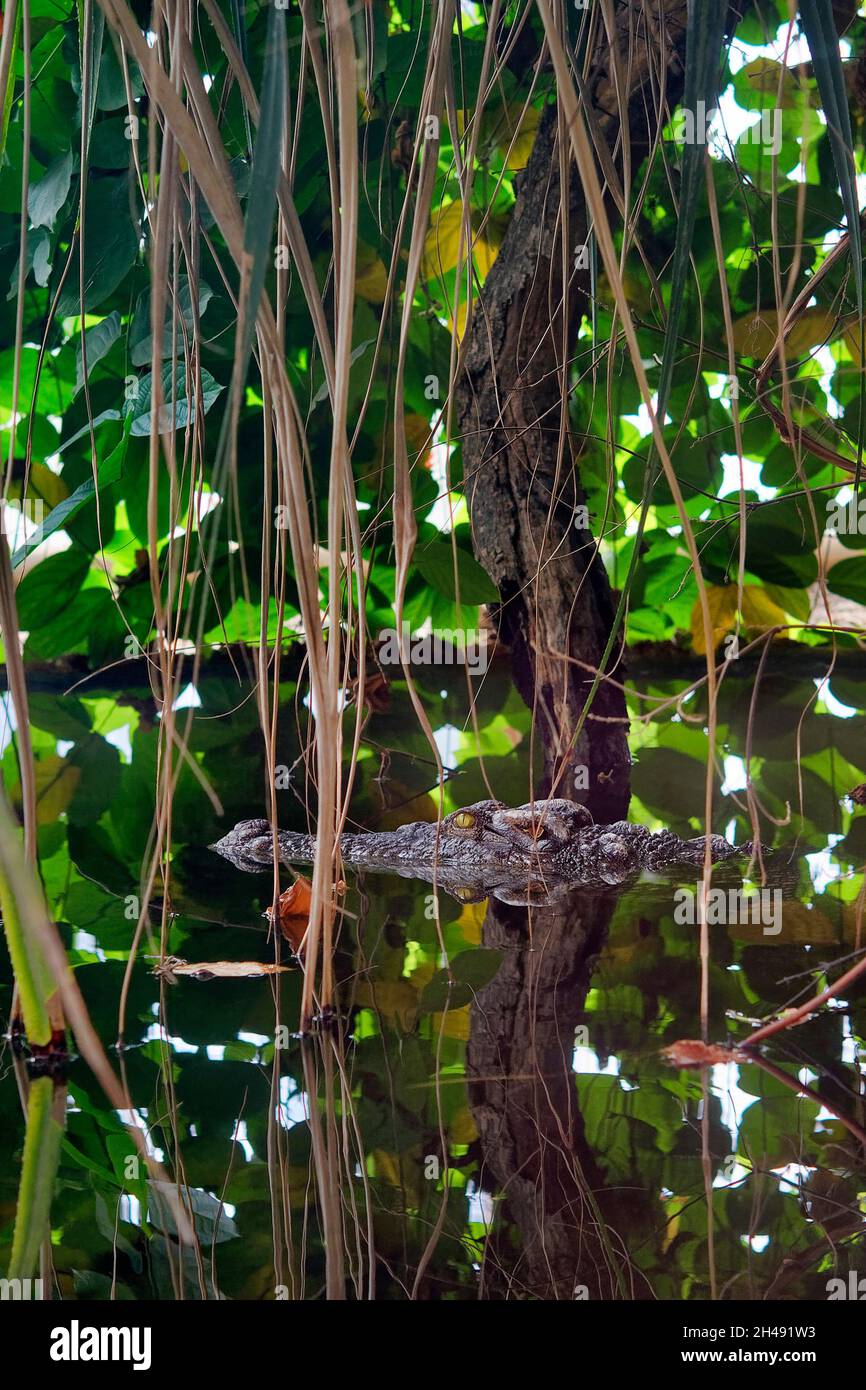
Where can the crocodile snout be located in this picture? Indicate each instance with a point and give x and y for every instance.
(249, 846)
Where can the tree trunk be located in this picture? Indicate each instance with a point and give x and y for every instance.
(573, 1231)
(520, 462)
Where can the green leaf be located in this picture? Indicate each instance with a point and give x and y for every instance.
(108, 473)
(669, 783)
(470, 971)
(848, 579)
(38, 260)
(89, 612)
(212, 1221)
(49, 588)
(758, 85)
(111, 235)
(476, 968)
(109, 147)
(54, 390)
(99, 762)
(111, 92)
(140, 337)
(781, 543)
(46, 198)
(175, 413)
(91, 1287)
(696, 463)
(100, 419)
(436, 563)
(98, 340)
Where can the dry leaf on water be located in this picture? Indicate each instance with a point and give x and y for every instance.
(172, 969)
(691, 1052)
(293, 911)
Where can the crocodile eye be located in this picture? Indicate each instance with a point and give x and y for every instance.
(464, 820)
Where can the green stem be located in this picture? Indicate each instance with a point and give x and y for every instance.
(34, 980)
(45, 1110)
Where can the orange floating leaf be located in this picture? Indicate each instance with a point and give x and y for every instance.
(691, 1052)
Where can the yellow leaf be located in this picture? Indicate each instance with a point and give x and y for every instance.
(471, 919)
(408, 809)
(673, 1207)
(636, 290)
(371, 277)
(772, 79)
(45, 485)
(404, 1170)
(722, 604)
(454, 1023)
(422, 975)
(486, 247)
(387, 1167)
(509, 128)
(458, 327)
(462, 1127)
(520, 127)
(851, 335)
(759, 610)
(395, 1000)
(442, 244)
(56, 780)
(417, 435)
(755, 334)
(801, 925)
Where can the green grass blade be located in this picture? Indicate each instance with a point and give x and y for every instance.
(6, 96)
(239, 24)
(262, 202)
(45, 1112)
(32, 975)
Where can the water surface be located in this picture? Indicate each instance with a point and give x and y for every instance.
(506, 1124)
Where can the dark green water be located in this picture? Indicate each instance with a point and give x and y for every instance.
(506, 1128)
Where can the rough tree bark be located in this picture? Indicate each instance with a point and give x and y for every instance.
(574, 1231)
(521, 466)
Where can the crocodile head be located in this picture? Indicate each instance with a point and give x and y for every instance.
(249, 846)
(536, 830)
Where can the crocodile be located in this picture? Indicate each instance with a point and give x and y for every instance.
(489, 848)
